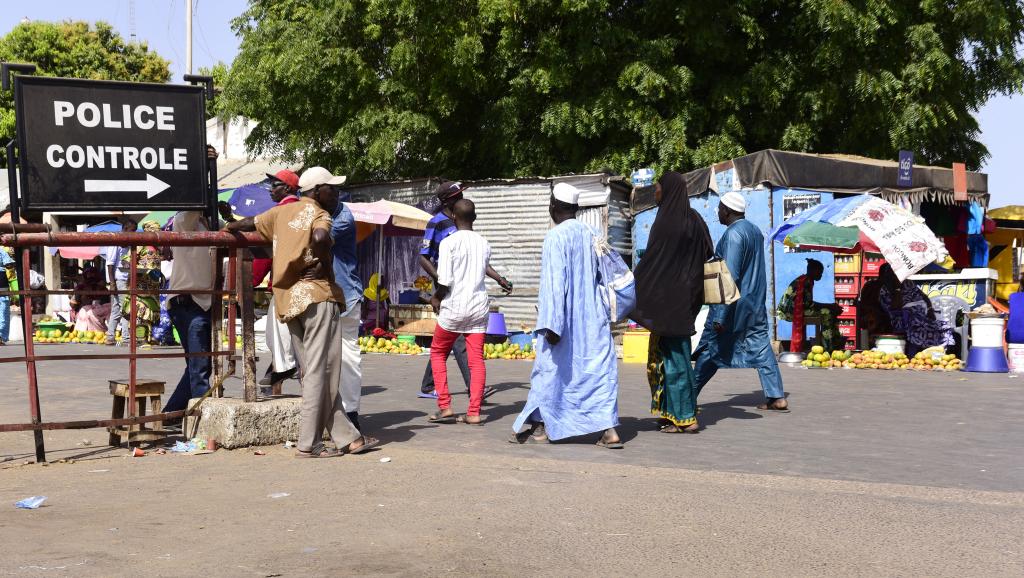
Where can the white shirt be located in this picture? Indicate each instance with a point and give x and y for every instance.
(461, 267)
(193, 266)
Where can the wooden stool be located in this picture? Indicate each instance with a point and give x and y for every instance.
(145, 390)
(815, 322)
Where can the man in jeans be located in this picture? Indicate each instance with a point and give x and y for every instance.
(7, 263)
(118, 276)
(310, 301)
(343, 232)
(190, 314)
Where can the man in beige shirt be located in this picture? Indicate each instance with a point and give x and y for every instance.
(310, 302)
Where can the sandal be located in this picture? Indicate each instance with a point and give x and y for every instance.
(324, 453)
(615, 445)
(438, 418)
(527, 437)
(770, 406)
(368, 444)
(675, 429)
(464, 419)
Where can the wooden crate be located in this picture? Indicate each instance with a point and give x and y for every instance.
(413, 319)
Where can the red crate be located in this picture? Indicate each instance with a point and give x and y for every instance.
(850, 345)
(847, 285)
(848, 312)
(848, 331)
(872, 263)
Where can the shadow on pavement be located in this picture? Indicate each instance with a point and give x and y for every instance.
(738, 406)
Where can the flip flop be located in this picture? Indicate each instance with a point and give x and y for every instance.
(368, 444)
(438, 418)
(674, 429)
(525, 437)
(489, 391)
(427, 395)
(767, 407)
(325, 453)
(617, 445)
(462, 419)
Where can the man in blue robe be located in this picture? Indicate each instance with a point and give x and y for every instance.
(574, 385)
(736, 335)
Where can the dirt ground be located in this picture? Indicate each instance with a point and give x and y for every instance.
(874, 473)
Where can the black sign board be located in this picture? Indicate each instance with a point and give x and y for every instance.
(88, 145)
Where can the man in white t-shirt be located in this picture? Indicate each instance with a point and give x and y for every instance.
(461, 305)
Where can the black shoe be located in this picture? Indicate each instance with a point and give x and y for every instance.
(276, 377)
(353, 416)
(266, 380)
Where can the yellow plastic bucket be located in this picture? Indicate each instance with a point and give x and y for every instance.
(634, 346)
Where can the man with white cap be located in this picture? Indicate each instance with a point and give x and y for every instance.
(575, 382)
(736, 335)
(311, 302)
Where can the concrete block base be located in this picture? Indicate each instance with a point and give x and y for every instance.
(237, 424)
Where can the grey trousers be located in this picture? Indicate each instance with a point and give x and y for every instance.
(316, 339)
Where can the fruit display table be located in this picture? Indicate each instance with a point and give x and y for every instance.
(934, 359)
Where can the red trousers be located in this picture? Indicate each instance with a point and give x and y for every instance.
(439, 350)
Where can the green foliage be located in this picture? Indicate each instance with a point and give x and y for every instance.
(219, 72)
(76, 50)
(386, 89)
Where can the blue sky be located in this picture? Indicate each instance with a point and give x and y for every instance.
(161, 23)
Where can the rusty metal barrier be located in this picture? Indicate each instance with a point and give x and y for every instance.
(237, 287)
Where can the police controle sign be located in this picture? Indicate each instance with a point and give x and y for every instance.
(87, 145)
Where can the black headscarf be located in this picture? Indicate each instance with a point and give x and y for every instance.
(670, 276)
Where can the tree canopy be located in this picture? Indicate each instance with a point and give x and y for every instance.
(497, 88)
(76, 50)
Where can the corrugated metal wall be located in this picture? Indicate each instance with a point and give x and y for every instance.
(514, 219)
(513, 216)
(620, 226)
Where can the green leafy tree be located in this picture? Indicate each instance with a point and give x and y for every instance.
(76, 50)
(498, 88)
(219, 72)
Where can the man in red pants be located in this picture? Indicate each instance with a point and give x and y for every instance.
(462, 306)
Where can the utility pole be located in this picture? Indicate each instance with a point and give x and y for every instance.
(188, 36)
(133, 37)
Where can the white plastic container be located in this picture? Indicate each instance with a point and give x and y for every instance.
(1015, 357)
(987, 332)
(890, 344)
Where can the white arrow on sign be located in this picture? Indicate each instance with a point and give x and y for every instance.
(152, 186)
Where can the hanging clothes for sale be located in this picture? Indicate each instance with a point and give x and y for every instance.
(977, 246)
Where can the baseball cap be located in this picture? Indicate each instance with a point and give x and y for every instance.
(314, 176)
(448, 189)
(287, 177)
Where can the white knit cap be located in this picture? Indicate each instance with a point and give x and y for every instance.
(566, 193)
(735, 201)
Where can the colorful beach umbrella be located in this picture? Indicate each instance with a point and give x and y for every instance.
(865, 223)
(389, 218)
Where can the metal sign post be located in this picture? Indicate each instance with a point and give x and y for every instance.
(88, 145)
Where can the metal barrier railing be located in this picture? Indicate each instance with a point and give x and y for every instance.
(237, 287)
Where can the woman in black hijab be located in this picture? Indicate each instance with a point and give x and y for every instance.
(670, 292)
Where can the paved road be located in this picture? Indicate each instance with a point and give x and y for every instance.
(873, 473)
(958, 430)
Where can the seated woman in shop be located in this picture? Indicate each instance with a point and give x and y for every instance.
(91, 311)
(797, 304)
(911, 313)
